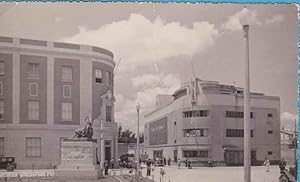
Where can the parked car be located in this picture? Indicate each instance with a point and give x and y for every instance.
(8, 163)
(159, 162)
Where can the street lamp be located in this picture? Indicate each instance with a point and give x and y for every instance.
(247, 156)
(138, 141)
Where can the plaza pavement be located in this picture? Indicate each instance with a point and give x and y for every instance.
(215, 174)
(173, 174)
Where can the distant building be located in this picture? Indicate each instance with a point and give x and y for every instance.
(288, 141)
(46, 91)
(204, 122)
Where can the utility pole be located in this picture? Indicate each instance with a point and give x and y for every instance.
(247, 156)
(138, 142)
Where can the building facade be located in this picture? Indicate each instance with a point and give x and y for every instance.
(203, 121)
(46, 91)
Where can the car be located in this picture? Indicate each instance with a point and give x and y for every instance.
(159, 162)
(8, 163)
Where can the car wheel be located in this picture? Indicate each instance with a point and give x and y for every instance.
(10, 168)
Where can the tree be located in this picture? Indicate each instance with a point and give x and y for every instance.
(127, 136)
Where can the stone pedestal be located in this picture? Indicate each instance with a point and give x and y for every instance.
(78, 160)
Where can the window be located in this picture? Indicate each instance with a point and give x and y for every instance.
(195, 153)
(237, 114)
(200, 132)
(98, 75)
(270, 115)
(33, 146)
(108, 113)
(237, 133)
(1, 146)
(175, 123)
(66, 73)
(196, 113)
(108, 78)
(270, 131)
(66, 113)
(67, 91)
(1, 88)
(1, 109)
(2, 72)
(33, 110)
(174, 141)
(33, 89)
(33, 70)
(270, 152)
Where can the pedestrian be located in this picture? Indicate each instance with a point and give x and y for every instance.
(169, 161)
(282, 164)
(186, 163)
(148, 164)
(112, 163)
(210, 163)
(178, 163)
(189, 164)
(106, 166)
(162, 174)
(165, 161)
(267, 164)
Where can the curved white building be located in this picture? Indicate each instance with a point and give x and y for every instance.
(203, 121)
(46, 90)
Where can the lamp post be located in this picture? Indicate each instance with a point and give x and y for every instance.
(138, 141)
(247, 156)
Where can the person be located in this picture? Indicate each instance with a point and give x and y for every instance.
(162, 174)
(186, 162)
(189, 164)
(106, 166)
(210, 163)
(178, 163)
(148, 164)
(112, 161)
(165, 161)
(282, 164)
(169, 161)
(267, 164)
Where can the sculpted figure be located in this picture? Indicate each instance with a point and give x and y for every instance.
(85, 132)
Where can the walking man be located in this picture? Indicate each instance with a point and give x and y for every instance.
(267, 164)
(148, 164)
(178, 163)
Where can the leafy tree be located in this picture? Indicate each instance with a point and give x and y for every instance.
(127, 136)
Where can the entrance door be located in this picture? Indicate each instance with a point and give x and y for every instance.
(175, 155)
(108, 153)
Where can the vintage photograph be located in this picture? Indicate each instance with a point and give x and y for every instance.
(148, 92)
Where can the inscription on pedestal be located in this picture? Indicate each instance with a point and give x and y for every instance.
(76, 153)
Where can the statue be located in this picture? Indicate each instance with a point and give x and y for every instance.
(85, 132)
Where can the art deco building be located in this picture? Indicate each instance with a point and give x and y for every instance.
(46, 91)
(203, 121)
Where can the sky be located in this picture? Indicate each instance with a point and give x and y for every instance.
(159, 46)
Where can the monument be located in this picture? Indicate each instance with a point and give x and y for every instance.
(79, 155)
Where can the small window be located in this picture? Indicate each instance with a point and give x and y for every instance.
(67, 73)
(66, 113)
(108, 113)
(270, 152)
(270, 131)
(108, 78)
(1, 109)
(2, 72)
(33, 110)
(33, 89)
(67, 91)
(175, 123)
(174, 141)
(98, 76)
(1, 146)
(1, 88)
(33, 147)
(33, 70)
(270, 115)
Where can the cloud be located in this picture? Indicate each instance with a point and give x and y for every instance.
(245, 16)
(275, 19)
(148, 86)
(140, 41)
